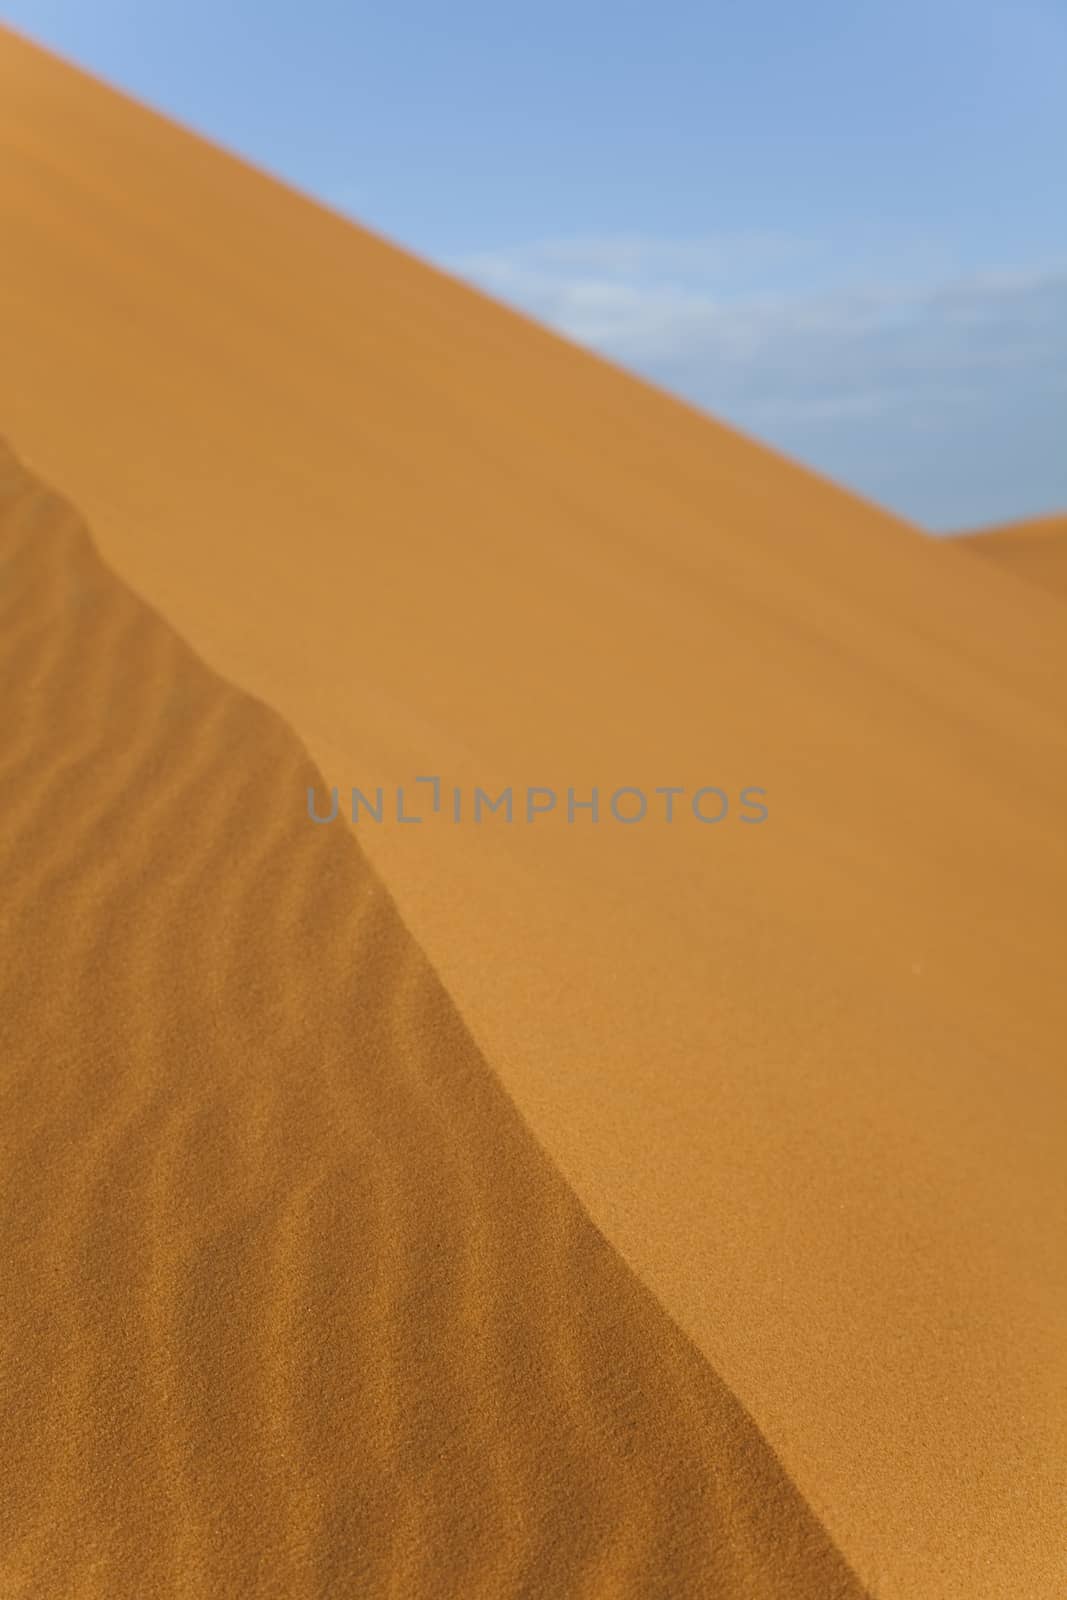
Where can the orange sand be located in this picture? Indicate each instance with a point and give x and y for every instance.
(295, 1305)
(1036, 550)
(805, 1078)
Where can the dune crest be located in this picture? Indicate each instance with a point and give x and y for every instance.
(1035, 550)
(805, 1078)
(294, 1305)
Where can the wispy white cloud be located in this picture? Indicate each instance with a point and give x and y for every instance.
(639, 256)
(890, 349)
(654, 299)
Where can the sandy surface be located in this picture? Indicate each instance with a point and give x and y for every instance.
(1035, 550)
(294, 1304)
(804, 1077)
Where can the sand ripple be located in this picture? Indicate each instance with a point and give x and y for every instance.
(295, 1304)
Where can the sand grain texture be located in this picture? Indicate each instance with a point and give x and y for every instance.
(293, 1303)
(807, 1079)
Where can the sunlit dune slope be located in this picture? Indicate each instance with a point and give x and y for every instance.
(805, 1076)
(294, 1305)
(1035, 550)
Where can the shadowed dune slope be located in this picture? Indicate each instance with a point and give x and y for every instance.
(807, 1078)
(1035, 550)
(293, 1303)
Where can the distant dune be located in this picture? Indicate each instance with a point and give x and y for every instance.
(1035, 550)
(794, 1090)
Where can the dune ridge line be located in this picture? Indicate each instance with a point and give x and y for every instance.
(295, 1305)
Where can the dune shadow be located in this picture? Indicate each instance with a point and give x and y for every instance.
(296, 1305)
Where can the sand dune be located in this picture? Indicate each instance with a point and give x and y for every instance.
(295, 1305)
(806, 1078)
(1035, 550)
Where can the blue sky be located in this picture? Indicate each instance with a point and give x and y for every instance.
(841, 226)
